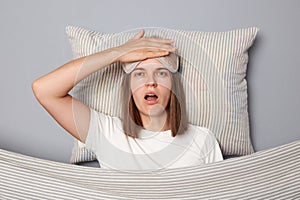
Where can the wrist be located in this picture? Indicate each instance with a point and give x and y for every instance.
(116, 53)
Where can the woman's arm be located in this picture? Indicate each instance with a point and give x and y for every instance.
(52, 89)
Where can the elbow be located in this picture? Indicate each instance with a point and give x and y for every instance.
(37, 89)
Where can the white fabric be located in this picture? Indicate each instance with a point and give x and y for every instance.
(152, 150)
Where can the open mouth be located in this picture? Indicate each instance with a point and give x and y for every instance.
(151, 98)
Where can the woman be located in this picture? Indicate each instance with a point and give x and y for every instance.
(153, 133)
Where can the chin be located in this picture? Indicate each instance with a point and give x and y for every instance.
(155, 111)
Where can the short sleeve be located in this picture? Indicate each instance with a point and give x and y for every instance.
(90, 141)
(214, 154)
(100, 126)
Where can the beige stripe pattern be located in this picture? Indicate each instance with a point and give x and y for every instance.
(269, 174)
(213, 69)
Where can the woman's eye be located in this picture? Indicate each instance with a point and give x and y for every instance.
(139, 74)
(162, 74)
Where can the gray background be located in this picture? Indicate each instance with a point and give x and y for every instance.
(33, 42)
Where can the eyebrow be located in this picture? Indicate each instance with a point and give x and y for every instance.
(138, 68)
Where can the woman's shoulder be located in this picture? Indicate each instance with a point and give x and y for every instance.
(202, 132)
(206, 142)
(200, 129)
(96, 112)
(104, 117)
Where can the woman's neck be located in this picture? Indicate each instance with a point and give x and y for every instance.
(156, 123)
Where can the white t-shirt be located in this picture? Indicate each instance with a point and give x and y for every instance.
(152, 150)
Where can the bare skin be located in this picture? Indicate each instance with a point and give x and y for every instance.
(52, 89)
(150, 76)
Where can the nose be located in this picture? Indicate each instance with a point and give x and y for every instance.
(151, 82)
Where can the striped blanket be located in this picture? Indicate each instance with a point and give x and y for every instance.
(268, 174)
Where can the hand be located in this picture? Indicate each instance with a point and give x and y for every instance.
(140, 48)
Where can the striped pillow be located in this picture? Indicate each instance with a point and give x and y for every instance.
(213, 67)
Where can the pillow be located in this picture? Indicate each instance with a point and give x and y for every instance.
(213, 68)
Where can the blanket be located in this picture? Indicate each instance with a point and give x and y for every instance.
(268, 174)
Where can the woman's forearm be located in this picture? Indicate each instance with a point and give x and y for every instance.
(59, 82)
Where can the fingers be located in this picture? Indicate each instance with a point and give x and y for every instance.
(160, 47)
(139, 47)
(142, 55)
(154, 54)
(160, 43)
(150, 54)
(139, 34)
(161, 40)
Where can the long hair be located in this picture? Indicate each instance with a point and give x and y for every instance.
(176, 110)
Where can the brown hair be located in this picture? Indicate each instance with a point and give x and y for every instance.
(176, 110)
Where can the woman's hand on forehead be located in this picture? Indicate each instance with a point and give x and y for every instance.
(140, 48)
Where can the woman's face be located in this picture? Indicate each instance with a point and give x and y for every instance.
(151, 87)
